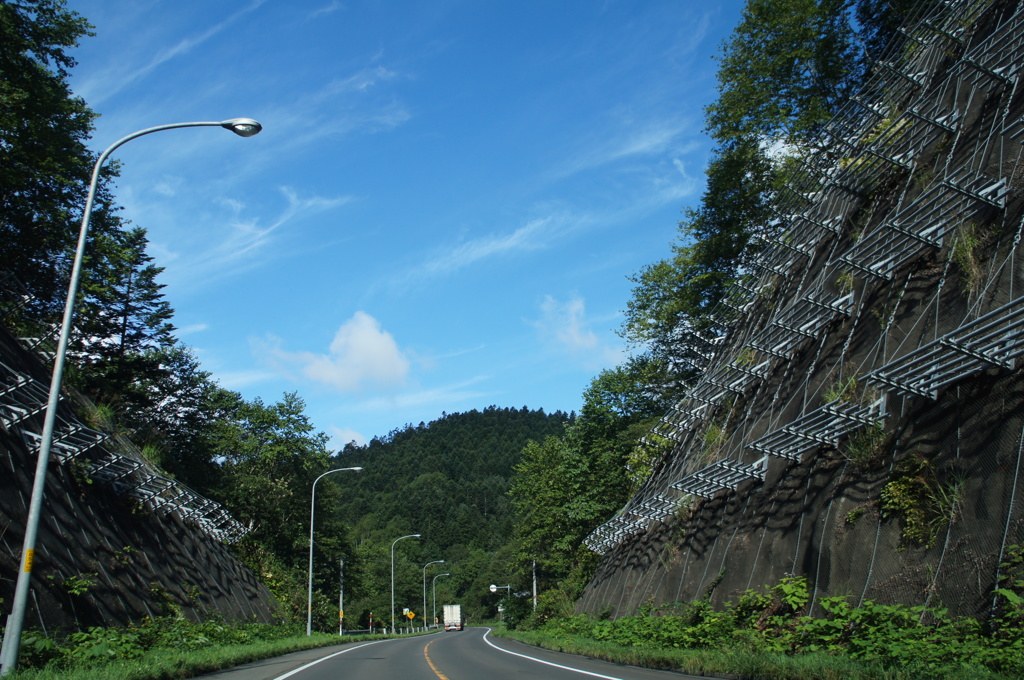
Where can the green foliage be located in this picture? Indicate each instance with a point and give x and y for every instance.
(671, 311)
(923, 502)
(122, 319)
(447, 480)
(98, 646)
(866, 446)
(784, 71)
(649, 450)
(44, 162)
(79, 584)
(964, 247)
(713, 439)
(270, 456)
(841, 390)
(844, 281)
(910, 641)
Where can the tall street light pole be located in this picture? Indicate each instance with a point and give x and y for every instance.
(312, 508)
(425, 589)
(341, 598)
(244, 127)
(434, 589)
(393, 578)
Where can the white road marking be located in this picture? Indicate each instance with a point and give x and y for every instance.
(331, 656)
(548, 663)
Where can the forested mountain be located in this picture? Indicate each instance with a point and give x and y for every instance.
(447, 480)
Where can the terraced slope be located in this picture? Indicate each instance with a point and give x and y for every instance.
(860, 420)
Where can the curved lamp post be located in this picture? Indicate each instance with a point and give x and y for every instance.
(393, 578)
(425, 589)
(434, 589)
(244, 127)
(312, 508)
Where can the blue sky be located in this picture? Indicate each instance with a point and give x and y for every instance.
(444, 205)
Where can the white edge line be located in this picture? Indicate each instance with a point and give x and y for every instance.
(329, 656)
(546, 663)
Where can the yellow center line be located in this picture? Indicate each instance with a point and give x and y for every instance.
(430, 663)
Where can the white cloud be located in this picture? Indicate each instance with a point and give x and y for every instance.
(168, 186)
(191, 330)
(564, 322)
(565, 325)
(362, 355)
(340, 436)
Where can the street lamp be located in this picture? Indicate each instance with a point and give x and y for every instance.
(312, 507)
(244, 127)
(393, 578)
(425, 588)
(434, 589)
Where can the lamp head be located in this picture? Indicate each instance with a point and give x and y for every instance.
(416, 535)
(243, 127)
(355, 469)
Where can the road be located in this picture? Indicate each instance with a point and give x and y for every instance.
(471, 654)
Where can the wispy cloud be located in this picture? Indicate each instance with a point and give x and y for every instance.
(564, 325)
(341, 106)
(536, 234)
(638, 139)
(110, 84)
(191, 330)
(329, 8)
(444, 397)
(243, 240)
(361, 356)
(238, 380)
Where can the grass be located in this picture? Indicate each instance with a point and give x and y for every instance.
(734, 662)
(171, 664)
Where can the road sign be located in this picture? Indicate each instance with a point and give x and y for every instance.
(411, 615)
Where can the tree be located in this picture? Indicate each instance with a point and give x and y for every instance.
(124, 322)
(673, 311)
(270, 456)
(181, 421)
(44, 163)
(784, 71)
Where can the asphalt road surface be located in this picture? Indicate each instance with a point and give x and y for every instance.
(471, 654)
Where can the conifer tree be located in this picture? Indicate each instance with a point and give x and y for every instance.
(124, 320)
(44, 163)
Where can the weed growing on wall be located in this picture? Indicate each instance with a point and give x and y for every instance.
(924, 503)
(964, 253)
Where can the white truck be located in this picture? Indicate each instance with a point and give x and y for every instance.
(453, 617)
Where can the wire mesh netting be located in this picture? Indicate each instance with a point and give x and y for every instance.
(861, 421)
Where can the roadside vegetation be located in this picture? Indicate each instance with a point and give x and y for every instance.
(162, 649)
(769, 635)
